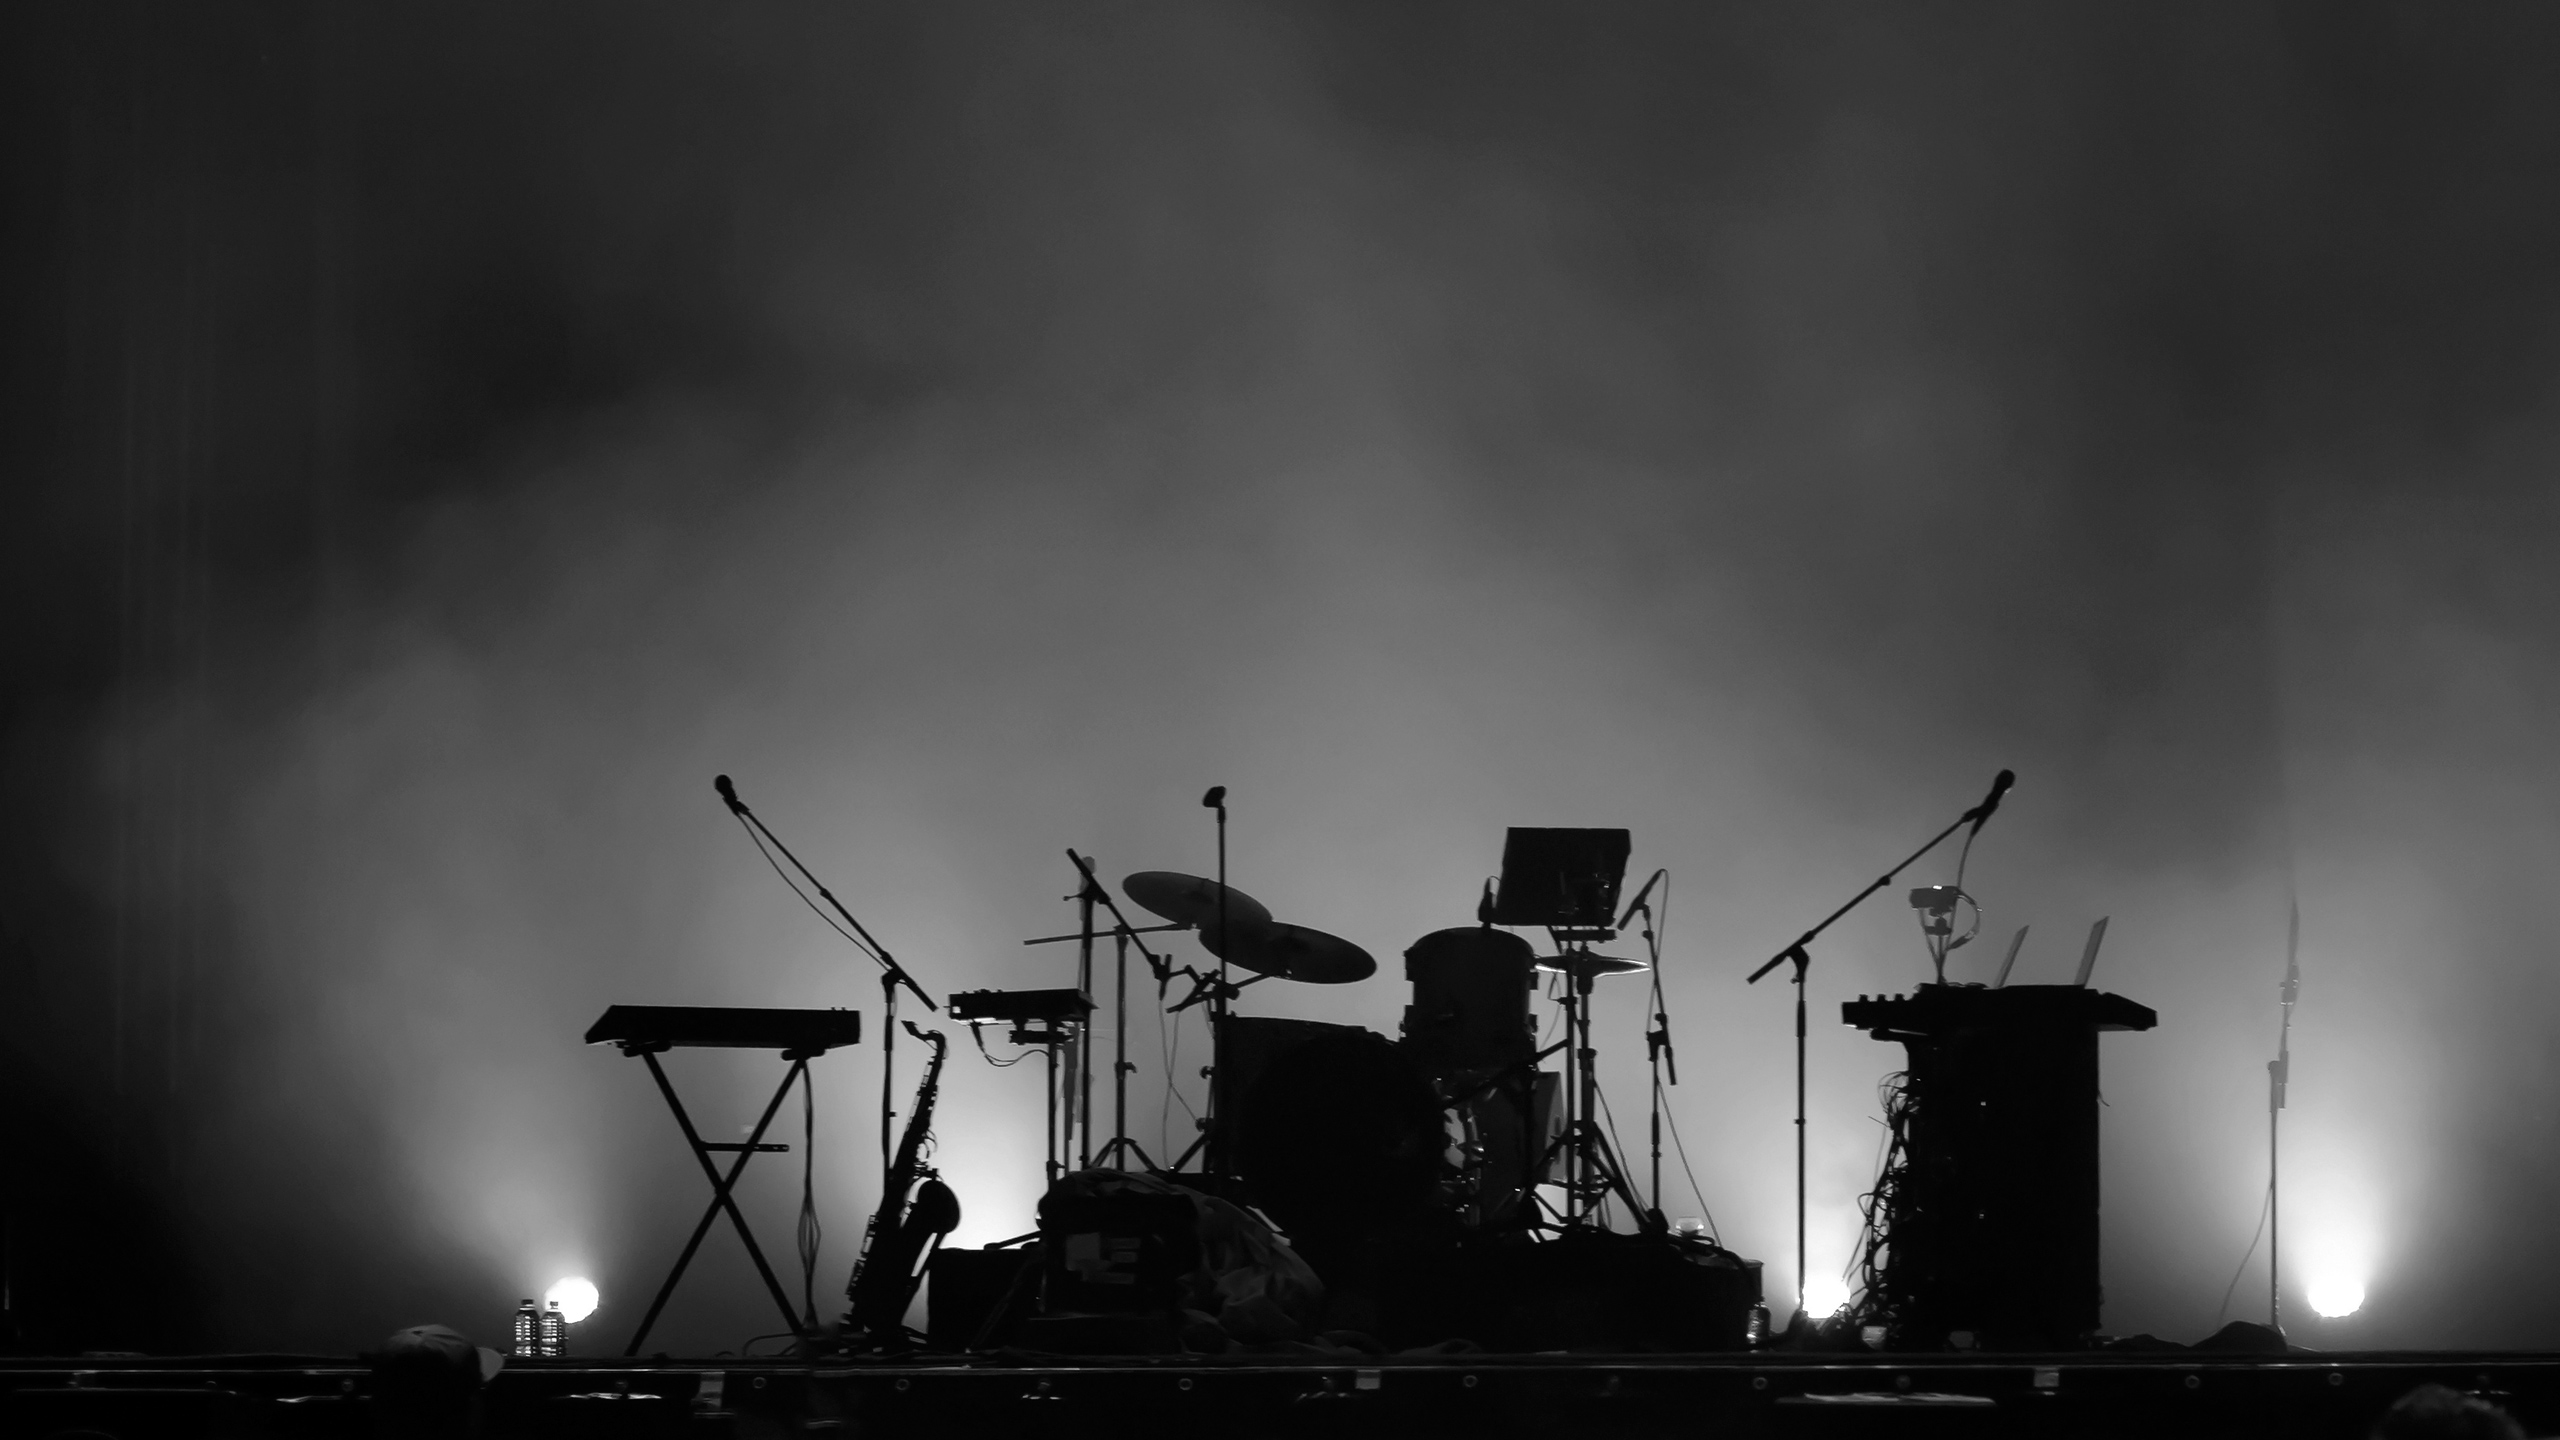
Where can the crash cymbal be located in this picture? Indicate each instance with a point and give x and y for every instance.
(1293, 952)
(1579, 963)
(1190, 900)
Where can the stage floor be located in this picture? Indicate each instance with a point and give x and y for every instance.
(1766, 1393)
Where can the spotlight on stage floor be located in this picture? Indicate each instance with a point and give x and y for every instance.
(1824, 1295)
(2335, 1293)
(576, 1297)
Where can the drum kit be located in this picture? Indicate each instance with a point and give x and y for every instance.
(1334, 1129)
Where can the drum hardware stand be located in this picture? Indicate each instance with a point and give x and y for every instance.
(892, 974)
(1565, 881)
(1216, 1160)
(1592, 1171)
(1123, 934)
(2279, 1071)
(1215, 992)
(1209, 989)
(1803, 958)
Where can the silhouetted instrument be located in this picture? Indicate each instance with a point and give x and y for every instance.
(1470, 999)
(801, 1035)
(1292, 952)
(1018, 1006)
(662, 1027)
(1190, 900)
(899, 1235)
(1581, 963)
(1338, 1133)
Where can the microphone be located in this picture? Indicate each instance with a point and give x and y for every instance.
(1216, 799)
(729, 793)
(1991, 802)
(1638, 903)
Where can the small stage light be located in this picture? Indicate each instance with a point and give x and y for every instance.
(576, 1297)
(1824, 1295)
(2335, 1295)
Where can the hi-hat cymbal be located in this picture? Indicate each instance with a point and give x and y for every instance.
(1579, 963)
(1190, 900)
(1293, 952)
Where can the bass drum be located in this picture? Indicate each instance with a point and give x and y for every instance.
(1339, 1134)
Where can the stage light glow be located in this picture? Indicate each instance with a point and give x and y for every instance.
(2335, 1293)
(575, 1295)
(1824, 1295)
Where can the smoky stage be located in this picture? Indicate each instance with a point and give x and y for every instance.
(1433, 1234)
(1524, 454)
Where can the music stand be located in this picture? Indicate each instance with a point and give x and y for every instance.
(1561, 879)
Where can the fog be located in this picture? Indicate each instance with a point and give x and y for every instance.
(980, 430)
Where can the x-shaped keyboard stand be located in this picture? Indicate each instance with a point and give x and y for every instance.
(721, 1186)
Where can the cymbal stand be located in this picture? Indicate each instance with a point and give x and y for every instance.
(1592, 1170)
(1090, 892)
(1803, 959)
(1213, 1128)
(1080, 1113)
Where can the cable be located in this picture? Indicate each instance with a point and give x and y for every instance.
(1169, 1042)
(977, 1032)
(2233, 1288)
(1704, 1209)
(1662, 928)
(855, 940)
(1883, 1207)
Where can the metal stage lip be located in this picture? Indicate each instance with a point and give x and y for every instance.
(1766, 1393)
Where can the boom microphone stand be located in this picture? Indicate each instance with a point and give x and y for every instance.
(892, 974)
(1124, 935)
(1803, 958)
(1657, 1035)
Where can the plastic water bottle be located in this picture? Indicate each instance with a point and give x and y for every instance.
(554, 1332)
(527, 1337)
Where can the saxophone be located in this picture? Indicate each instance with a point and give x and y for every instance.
(885, 1273)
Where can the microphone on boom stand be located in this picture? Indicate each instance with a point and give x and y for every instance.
(1638, 903)
(1803, 958)
(1999, 787)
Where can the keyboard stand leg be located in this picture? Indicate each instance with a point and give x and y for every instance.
(721, 1185)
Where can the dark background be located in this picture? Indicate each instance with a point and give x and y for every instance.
(440, 437)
